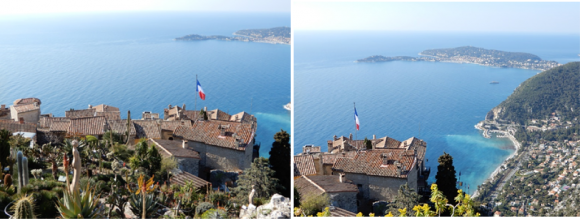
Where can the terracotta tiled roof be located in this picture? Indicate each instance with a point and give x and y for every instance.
(320, 184)
(183, 177)
(339, 212)
(328, 158)
(26, 108)
(110, 115)
(59, 126)
(243, 117)
(217, 114)
(304, 165)
(375, 162)
(147, 129)
(120, 126)
(46, 121)
(14, 126)
(25, 101)
(73, 114)
(88, 126)
(387, 142)
(174, 148)
(209, 132)
(105, 108)
(172, 125)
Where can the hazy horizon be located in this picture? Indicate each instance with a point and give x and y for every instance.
(536, 17)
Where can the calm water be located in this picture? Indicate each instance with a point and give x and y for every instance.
(438, 102)
(129, 60)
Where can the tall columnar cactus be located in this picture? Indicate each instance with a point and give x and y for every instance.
(24, 207)
(25, 172)
(19, 157)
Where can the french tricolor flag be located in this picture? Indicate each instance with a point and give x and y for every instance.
(356, 119)
(200, 91)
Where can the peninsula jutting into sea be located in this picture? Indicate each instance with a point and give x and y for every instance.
(276, 35)
(475, 55)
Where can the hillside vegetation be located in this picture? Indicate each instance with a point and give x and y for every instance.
(555, 90)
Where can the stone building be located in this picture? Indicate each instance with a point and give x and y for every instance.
(4, 112)
(380, 172)
(222, 145)
(27, 109)
(342, 192)
(187, 160)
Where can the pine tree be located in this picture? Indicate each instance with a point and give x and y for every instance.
(368, 144)
(261, 176)
(280, 161)
(445, 178)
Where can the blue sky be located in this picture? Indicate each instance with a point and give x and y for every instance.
(450, 16)
(23, 7)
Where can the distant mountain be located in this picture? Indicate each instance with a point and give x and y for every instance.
(554, 90)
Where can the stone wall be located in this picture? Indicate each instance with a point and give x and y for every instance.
(377, 187)
(190, 165)
(344, 200)
(30, 116)
(215, 157)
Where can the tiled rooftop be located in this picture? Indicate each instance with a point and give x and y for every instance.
(120, 126)
(210, 133)
(172, 125)
(88, 126)
(174, 148)
(147, 129)
(45, 121)
(304, 165)
(25, 101)
(183, 177)
(110, 115)
(22, 108)
(319, 184)
(73, 114)
(372, 162)
(59, 125)
(14, 126)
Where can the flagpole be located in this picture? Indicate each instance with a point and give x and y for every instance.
(195, 107)
(356, 131)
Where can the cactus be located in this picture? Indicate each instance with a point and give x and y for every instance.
(25, 172)
(7, 180)
(24, 207)
(20, 174)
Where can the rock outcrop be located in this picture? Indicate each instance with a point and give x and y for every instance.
(278, 207)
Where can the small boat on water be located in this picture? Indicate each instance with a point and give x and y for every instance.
(494, 82)
(288, 106)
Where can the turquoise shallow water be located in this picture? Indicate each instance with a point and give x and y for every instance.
(438, 102)
(129, 60)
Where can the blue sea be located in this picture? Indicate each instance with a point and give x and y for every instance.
(130, 60)
(437, 102)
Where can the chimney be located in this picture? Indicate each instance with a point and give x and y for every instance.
(398, 169)
(374, 137)
(3, 106)
(222, 131)
(350, 136)
(183, 107)
(184, 144)
(90, 106)
(169, 106)
(342, 177)
(334, 137)
(205, 108)
(21, 120)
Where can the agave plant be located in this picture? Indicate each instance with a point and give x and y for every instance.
(77, 205)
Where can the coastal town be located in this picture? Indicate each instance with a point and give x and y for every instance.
(276, 35)
(211, 151)
(539, 178)
(474, 55)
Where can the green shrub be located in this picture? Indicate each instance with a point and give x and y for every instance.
(261, 201)
(107, 164)
(214, 214)
(218, 197)
(45, 203)
(203, 207)
(314, 204)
